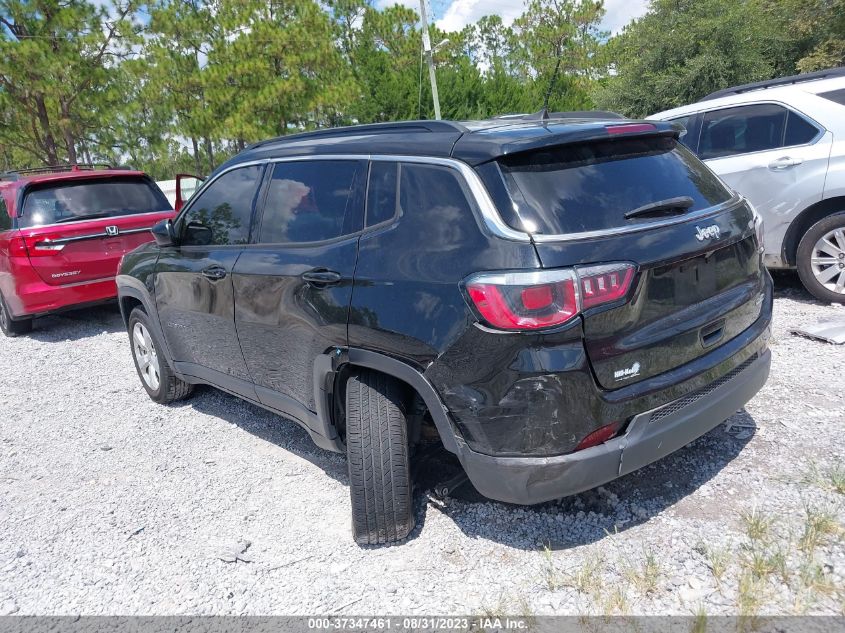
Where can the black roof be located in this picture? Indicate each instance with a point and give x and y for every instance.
(772, 83)
(474, 142)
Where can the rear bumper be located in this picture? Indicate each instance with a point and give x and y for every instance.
(32, 297)
(648, 437)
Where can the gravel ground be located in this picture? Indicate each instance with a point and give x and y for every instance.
(111, 504)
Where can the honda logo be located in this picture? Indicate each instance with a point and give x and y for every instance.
(112, 231)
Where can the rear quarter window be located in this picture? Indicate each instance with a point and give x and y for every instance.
(71, 201)
(591, 186)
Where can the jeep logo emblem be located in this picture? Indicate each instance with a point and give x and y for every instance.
(707, 233)
(112, 231)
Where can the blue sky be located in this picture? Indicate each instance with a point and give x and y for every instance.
(453, 15)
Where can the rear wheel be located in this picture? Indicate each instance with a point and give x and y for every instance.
(155, 374)
(10, 326)
(379, 459)
(821, 259)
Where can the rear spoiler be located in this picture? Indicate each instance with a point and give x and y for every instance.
(552, 135)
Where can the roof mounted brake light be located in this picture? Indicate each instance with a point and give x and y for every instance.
(630, 128)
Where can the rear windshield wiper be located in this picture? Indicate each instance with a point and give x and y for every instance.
(85, 216)
(662, 207)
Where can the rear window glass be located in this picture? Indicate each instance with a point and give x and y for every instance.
(590, 187)
(90, 199)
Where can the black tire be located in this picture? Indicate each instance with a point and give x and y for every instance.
(169, 388)
(379, 460)
(9, 326)
(805, 254)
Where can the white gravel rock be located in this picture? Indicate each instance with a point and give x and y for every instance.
(111, 504)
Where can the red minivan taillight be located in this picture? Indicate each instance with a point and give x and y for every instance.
(17, 247)
(548, 298)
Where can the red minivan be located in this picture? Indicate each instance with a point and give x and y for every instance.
(63, 232)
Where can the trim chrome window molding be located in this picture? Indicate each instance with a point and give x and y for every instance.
(90, 236)
(489, 214)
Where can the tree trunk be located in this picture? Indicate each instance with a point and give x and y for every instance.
(197, 164)
(49, 139)
(210, 153)
(70, 142)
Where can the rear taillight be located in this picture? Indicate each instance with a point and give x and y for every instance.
(40, 247)
(604, 284)
(17, 247)
(545, 299)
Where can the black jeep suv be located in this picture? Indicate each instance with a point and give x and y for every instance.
(559, 302)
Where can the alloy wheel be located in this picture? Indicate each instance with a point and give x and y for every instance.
(828, 260)
(146, 357)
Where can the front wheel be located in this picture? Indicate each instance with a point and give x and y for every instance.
(379, 459)
(9, 326)
(821, 259)
(155, 374)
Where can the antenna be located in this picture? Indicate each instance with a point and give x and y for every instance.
(544, 113)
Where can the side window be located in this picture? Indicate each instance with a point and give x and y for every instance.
(799, 131)
(383, 192)
(221, 214)
(683, 120)
(741, 130)
(311, 201)
(5, 220)
(434, 193)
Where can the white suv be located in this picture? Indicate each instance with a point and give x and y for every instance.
(781, 144)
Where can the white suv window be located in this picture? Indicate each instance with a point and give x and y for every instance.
(683, 120)
(752, 128)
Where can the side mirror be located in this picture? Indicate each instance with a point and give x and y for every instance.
(197, 234)
(164, 234)
(186, 186)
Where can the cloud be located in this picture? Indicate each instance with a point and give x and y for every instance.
(463, 12)
(459, 13)
(619, 13)
(383, 4)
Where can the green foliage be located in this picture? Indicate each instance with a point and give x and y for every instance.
(58, 64)
(682, 50)
(180, 85)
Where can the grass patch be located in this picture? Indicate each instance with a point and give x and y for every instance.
(553, 579)
(699, 623)
(757, 525)
(645, 576)
(587, 579)
(751, 594)
(819, 527)
(718, 560)
(832, 479)
(615, 602)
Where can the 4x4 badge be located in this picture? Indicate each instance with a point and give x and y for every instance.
(112, 231)
(707, 233)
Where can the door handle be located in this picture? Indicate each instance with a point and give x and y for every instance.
(785, 162)
(321, 277)
(214, 272)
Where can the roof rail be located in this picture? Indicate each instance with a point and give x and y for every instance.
(14, 174)
(369, 128)
(771, 83)
(575, 114)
